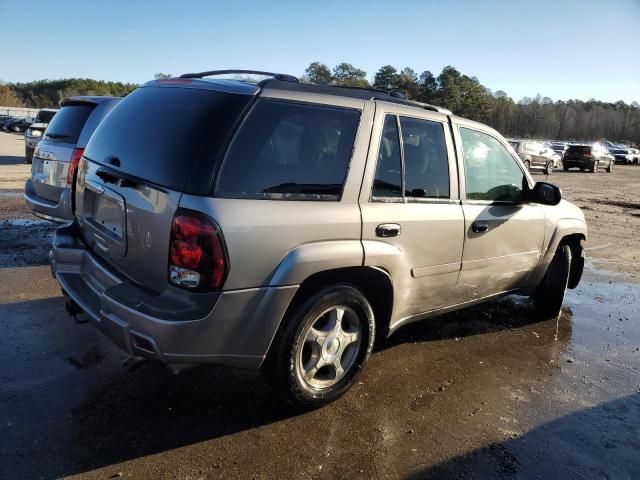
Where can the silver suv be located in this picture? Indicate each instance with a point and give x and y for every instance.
(534, 155)
(48, 192)
(289, 227)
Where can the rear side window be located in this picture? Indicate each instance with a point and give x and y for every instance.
(289, 151)
(67, 124)
(169, 136)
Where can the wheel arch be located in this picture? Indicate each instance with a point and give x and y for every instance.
(570, 231)
(375, 284)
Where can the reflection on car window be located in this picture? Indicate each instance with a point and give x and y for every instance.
(426, 165)
(491, 173)
(388, 179)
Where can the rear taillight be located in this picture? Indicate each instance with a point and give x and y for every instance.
(586, 154)
(76, 155)
(197, 259)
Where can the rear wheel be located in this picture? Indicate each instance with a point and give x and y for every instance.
(594, 167)
(565, 168)
(610, 167)
(28, 155)
(321, 347)
(549, 294)
(548, 168)
(527, 164)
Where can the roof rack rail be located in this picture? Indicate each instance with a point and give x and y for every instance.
(391, 93)
(278, 76)
(413, 103)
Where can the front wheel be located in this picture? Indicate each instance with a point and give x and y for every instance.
(527, 164)
(321, 347)
(548, 168)
(549, 294)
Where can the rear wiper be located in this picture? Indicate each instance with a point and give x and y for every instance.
(57, 135)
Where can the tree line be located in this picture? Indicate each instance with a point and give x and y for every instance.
(49, 93)
(536, 117)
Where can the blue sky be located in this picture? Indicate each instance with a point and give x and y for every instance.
(558, 48)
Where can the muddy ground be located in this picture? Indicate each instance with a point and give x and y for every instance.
(490, 392)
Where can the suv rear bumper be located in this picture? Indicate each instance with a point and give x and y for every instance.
(236, 331)
(577, 163)
(58, 212)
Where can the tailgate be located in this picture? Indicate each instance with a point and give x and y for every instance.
(49, 169)
(126, 222)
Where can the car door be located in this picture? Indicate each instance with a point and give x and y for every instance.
(503, 234)
(412, 222)
(537, 155)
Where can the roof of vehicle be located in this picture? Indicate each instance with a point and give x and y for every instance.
(284, 82)
(80, 99)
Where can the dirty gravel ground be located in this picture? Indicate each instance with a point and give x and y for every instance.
(491, 392)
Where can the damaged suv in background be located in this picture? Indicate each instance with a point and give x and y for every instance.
(288, 227)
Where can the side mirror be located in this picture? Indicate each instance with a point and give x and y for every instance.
(545, 193)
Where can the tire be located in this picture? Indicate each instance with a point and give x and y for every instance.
(610, 167)
(28, 155)
(565, 168)
(594, 167)
(549, 294)
(291, 366)
(527, 164)
(581, 169)
(548, 168)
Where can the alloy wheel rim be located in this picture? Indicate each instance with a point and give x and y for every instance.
(330, 347)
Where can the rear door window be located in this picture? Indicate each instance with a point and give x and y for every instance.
(426, 164)
(67, 124)
(290, 151)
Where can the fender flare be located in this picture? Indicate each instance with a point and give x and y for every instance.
(563, 228)
(309, 258)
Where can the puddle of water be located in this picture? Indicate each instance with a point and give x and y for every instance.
(24, 222)
(11, 194)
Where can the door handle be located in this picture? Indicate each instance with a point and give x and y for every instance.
(480, 226)
(388, 230)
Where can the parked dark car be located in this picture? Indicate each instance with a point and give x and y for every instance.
(5, 119)
(48, 191)
(587, 157)
(18, 126)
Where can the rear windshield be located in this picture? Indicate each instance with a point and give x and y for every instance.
(168, 135)
(579, 149)
(289, 151)
(67, 125)
(44, 116)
